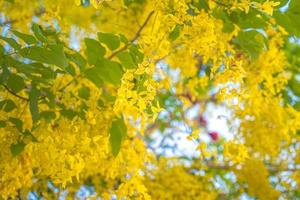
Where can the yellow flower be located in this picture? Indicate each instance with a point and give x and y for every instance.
(237, 153)
(267, 6)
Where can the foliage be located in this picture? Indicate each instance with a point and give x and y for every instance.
(93, 95)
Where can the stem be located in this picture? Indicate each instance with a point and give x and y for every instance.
(68, 84)
(271, 169)
(16, 95)
(220, 3)
(37, 13)
(17, 51)
(137, 34)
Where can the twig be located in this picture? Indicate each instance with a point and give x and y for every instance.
(137, 34)
(16, 95)
(271, 169)
(38, 13)
(221, 4)
(278, 169)
(69, 83)
(218, 167)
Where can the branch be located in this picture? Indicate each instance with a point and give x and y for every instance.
(37, 13)
(69, 83)
(8, 22)
(16, 95)
(221, 4)
(271, 169)
(218, 167)
(137, 34)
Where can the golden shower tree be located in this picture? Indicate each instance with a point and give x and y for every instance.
(94, 92)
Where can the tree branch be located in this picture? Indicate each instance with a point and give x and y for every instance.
(271, 169)
(137, 34)
(220, 3)
(10, 21)
(16, 95)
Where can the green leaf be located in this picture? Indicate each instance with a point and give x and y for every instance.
(227, 23)
(297, 106)
(2, 50)
(27, 133)
(93, 74)
(290, 18)
(108, 97)
(288, 22)
(33, 104)
(71, 69)
(110, 40)
(78, 60)
(294, 6)
(38, 32)
(15, 83)
(54, 54)
(2, 123)
(252, 19)
(51, 98)
(68, 113)
(126, 60)
(17, 122)
(200, 4)
(5, 73)
(12, 42)
(118, 132)
(94, 50)
(203, 4)
(100, 103)
(109, 71)
(7, 105)
(136, 54)
(283, 2)
(175, 32)
(129, 2)
(84, 92)
(294, 86)
(10, 1)
(48, 31)
(47, 115)
(123, 39)
(291, 23)
(292, 50)
(251, 42)
(28, 39)
(33, 71)
(17, 148)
